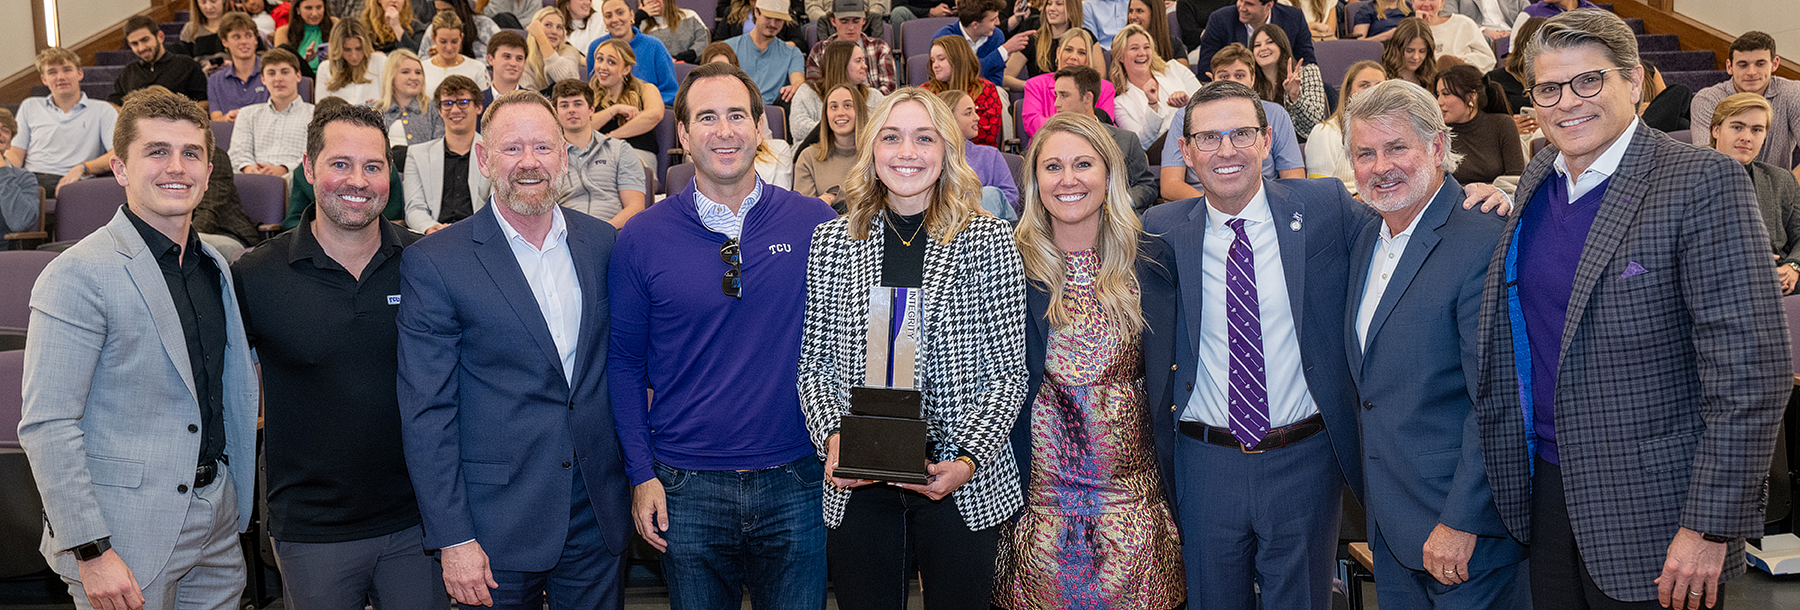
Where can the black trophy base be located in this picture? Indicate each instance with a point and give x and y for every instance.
(887, 449)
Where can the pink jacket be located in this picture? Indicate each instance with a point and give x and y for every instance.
(1040, 101)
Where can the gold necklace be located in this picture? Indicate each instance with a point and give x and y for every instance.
(904, 241)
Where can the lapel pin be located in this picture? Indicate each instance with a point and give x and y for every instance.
(1295, 225)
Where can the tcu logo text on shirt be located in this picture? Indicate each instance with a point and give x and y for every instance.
(773, 248)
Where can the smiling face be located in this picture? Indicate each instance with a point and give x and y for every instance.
(1138, 14)
(459, 117)
(617, 18)
(146, 43)
(1750, 70)
(1266, 51)
(1427, 7)
(609, 68)
(572, 113)
(1456, 109)
(840, 112)
(1415, 53)
(1582, 127)
(859, 68)
(1237, 72)
(719, 132)
(350, 176)
(523, 154)
(940, 64)
(211, 9)
(1071, 179)
(508, 63)
(165, 170)
(1230, 174)
(446, 42)
(967, 118)
(1137, 54)
(1395, 168)
(62, 78)
(1073, 52)
(1741, 135)
(409, 80)
(579, 9)
(1254, 12)
(1055, 12)
(909, 152)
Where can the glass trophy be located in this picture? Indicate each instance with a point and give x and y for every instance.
(883, 438)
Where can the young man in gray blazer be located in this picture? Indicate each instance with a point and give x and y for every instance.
(138, 387)
(1416, 277)
(1633, 361)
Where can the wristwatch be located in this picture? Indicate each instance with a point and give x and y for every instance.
(93, 549)
(1716, 538)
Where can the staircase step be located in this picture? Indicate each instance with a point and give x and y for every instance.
(1696, 79)
(1637, 25)
(1658, 43)
(101, 74)
(1681, 61)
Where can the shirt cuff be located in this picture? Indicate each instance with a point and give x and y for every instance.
(452, 546)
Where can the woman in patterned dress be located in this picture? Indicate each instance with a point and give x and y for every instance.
(914, 220)
(1096, 531)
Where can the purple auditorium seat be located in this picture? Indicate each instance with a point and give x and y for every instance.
(85, 206)
(264, 197)
(19, 269)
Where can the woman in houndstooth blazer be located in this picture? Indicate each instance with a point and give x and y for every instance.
(915, 221)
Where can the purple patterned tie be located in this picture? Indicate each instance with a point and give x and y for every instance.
(1248, 393)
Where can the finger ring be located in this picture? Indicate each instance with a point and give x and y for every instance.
(1449, 572)
(1693, 594)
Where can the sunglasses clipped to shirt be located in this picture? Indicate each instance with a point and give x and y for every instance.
(733, 282)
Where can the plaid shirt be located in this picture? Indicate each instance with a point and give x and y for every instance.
(882, 73)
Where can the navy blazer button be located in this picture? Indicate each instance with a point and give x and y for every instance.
(1368, 405)
(193, 428)
(1190, 386)
(181, 488)
(565, 464)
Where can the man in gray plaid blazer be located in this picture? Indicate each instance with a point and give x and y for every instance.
(1633, 364)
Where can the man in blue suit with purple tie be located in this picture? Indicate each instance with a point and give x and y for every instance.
(503, 398)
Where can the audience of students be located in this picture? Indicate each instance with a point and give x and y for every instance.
(1376, 20)
(506, 65)
(1752, 64)
(200, 37)
(821, 168)
(352, 67)
(1495, 17)
(155, 65)
(238, 83)
(65, 136)
(1151, 92)
(405, 103)
(654, 64)
(443, 182)
(549, 57)
(1039, 101)
(1739, 128)
(392, 25)
(849, 17)
(1042, 52)
(1233, 23)
(679, 29)
(585, 24)
(1326, 156)
(1409, 53)
(845, 64)
(1483, 131)
(1456, 35)
(999, 192)
(775, 66)
(304, 36)
(954, 67)
(476, 27)
(1321, 17)
(446, 58)
(606, 179)
(270, 137)
(978, 23)
(1156, 21)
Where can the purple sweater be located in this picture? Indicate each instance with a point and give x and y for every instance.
(725, 370)
(1552, 232)
(993, 171)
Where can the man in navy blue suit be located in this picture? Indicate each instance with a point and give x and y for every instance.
(1264, 413)
(978, 21)
(1416, 278)
(503, 398)
(1235, 23)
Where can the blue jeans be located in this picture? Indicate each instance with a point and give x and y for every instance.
(764, 529)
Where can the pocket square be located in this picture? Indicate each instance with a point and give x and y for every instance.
(1633, 269)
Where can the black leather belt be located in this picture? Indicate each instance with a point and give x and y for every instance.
(1275, 439)
(206, 474)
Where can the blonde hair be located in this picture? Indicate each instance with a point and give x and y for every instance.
(1122, 40)
(375, 17)
(392, 70)
(57, 55)
(628, 87)
(954, 202)
(342, 73)
(1350, 79)
(534, 56)
(1739, 103)
(1048, 44)
(1116, 245)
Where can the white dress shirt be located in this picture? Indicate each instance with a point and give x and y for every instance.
(550, 271)
(1132, 111)
(1602, 167)
(266, 135)
(1381, 269)
(1289, 399)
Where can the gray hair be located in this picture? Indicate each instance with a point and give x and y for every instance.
(1222, 90)
(1398, 102)
(1583, 27)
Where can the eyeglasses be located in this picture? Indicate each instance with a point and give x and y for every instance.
(1208, 141)
(733, 283)
(1585, 84)
(462, 103)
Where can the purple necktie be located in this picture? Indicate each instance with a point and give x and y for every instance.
(1248, 394)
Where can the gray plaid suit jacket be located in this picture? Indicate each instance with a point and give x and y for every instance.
(1671, 381)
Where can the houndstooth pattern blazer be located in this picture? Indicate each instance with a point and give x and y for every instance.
(1674, 368)
(971, 358)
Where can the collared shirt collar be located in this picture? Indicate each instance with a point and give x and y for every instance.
(306, 244)
(230, 70)
(1602, 167)
(160, 245)
(1386, 236)
(718, 217)
(594, 143)
(1255, 212)
(80, 103)
(559, 230)
(973, 41)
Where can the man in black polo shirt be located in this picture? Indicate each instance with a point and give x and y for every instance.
(318, 304)
(156, 65)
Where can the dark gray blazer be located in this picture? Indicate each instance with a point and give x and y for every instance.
(1422, 460)
(1673, 374)
(1145, 187)
(1779, 197)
